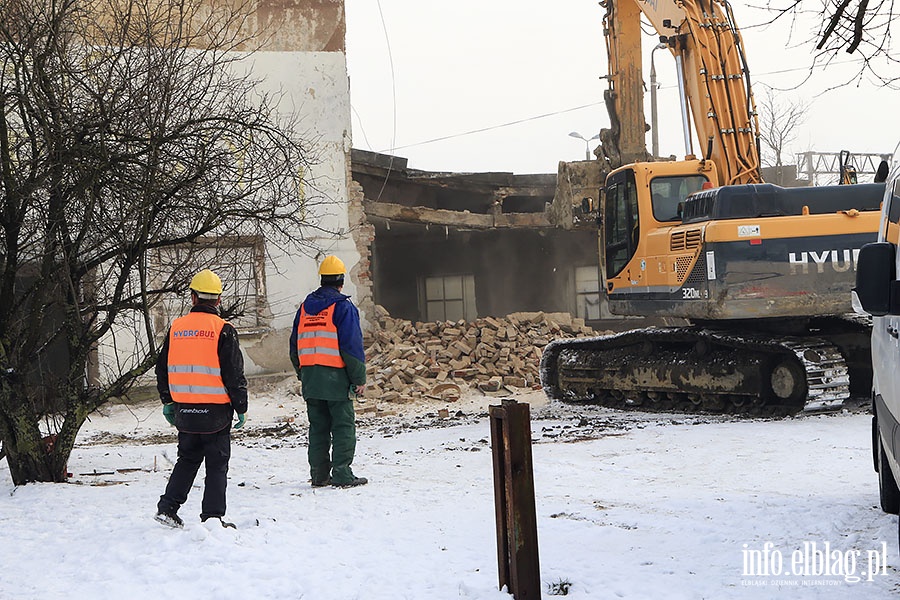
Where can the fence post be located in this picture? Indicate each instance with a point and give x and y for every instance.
(517, 546)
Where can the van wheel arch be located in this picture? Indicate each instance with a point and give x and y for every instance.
(888, 492)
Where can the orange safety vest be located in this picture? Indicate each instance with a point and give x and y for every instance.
(195, 375)
(317, 339)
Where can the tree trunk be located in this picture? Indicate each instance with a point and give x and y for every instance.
(33, 464)
(31, 455)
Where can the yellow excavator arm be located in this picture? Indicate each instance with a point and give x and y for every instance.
(713, 80)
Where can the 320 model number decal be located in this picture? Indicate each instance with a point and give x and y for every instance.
(693, 294)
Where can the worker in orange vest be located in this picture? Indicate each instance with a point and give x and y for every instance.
(200, 379)
(326, 349)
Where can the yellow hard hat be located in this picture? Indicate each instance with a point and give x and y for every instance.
(206, 282)
(332, 265)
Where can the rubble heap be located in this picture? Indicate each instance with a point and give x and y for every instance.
(408, 361)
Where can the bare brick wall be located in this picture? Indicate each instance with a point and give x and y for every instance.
(363, 234)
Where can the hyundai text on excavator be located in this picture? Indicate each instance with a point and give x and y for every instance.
(763, 274)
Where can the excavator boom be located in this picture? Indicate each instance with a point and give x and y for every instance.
(713, 79)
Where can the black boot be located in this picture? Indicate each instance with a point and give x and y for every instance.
(352, 483)
(204, 518)
(170, 518)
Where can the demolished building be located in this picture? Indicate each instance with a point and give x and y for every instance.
(458, 246)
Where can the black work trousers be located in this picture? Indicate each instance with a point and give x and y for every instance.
(193, 449)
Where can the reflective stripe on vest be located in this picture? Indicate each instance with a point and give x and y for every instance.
(317, 339)
(195, 375)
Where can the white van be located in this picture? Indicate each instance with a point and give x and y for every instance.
(878, 294)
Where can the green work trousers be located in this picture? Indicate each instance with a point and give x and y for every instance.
(332, 440)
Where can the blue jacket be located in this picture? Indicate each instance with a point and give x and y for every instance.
(331, 383)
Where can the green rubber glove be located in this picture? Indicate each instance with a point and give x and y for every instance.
(241, 420)
(169, 412)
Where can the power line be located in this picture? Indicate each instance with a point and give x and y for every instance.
(492, 127)
(451, 136)
(387, 40)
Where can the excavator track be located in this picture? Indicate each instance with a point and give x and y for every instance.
(695, 370)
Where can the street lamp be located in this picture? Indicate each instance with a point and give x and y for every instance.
(654, 122)
(587, 143)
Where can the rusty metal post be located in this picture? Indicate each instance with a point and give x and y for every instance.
(517, 546)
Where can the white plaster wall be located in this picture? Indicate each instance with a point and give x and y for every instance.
(313, 86)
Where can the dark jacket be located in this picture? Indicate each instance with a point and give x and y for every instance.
(208, 418)
(332, 383)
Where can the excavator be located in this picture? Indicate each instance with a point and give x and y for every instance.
(761, 274)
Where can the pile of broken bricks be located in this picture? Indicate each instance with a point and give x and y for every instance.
(407, 361)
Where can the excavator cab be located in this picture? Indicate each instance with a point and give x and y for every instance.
(643, 202)
(621, 221)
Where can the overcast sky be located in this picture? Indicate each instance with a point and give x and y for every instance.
(500, 84)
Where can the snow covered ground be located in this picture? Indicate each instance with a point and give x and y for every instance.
(629, 506)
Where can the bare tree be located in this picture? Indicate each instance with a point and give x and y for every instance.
(858, 26)
(778, 123)
(130, 136)
(863, 28)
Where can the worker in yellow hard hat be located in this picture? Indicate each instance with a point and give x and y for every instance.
(200, 379)
(326, 350)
